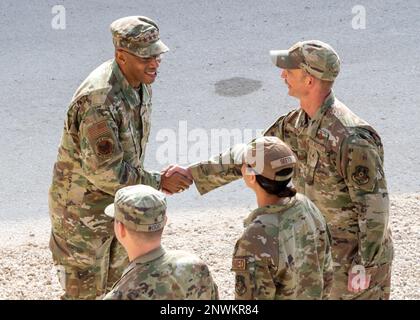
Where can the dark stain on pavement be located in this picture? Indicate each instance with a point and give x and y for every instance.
(237, 86)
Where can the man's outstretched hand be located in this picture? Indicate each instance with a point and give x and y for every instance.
(175, 179)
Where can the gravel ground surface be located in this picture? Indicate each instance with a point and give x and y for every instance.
(26, 270)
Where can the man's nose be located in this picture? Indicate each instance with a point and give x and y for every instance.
(156, 61)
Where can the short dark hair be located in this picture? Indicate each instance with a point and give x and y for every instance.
(278, 188)
(146, 236)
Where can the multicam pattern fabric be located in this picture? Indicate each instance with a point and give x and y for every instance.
(139, 35)
(165, 275)
(140, 208)
(340, 168)
(101, 150)
(315, 57)
(284, 253)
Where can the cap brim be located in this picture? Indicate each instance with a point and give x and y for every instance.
(155, 49)
(282, 59)
(110, 210)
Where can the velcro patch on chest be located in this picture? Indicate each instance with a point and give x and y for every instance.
(239, 264)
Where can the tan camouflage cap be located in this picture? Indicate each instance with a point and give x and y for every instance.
(268, 156)
(139, 35)
(140, 208)
(315, 57)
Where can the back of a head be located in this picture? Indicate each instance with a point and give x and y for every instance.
(273, 162)
(142, 238)
(279, 188)
(140, 208)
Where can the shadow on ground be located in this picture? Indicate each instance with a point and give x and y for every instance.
(236, 87)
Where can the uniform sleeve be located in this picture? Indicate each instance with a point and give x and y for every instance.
(366, 182)
(102, 154)
(222, 169)
(324, 252)
(218, 170)
(277, 128)
(328, 270)
(254, 266)
(215, 292)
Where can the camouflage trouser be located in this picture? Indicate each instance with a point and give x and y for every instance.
(89, 282)
(379, 288)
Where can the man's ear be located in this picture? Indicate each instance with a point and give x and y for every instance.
(310, 80)
(122, 231)
(120, 57)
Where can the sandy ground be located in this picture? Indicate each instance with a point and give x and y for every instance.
(26, 270)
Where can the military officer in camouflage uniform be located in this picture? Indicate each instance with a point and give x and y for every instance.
(153, 273)
(340, 168)
(285, 250)
(102, 150)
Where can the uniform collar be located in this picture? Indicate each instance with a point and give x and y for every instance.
(148, 257)
(315, 121)
(274, 208)
(131, 95)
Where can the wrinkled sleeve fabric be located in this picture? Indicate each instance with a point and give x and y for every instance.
(253, 273)
(328, 269)
(218, 170)
(222, 169)
(102, 154)
(277, 128)
(365, 179)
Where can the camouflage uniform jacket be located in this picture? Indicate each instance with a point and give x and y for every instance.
(102, 150)
(340, 169)
(284, 253)
(165, 275)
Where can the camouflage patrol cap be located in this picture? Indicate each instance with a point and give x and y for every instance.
(140, 208)
(268, 156)
(138, 35)
(315, 57)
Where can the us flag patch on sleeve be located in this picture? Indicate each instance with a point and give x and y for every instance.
(97, 130)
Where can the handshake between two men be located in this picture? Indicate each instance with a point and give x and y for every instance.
(175, 179)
